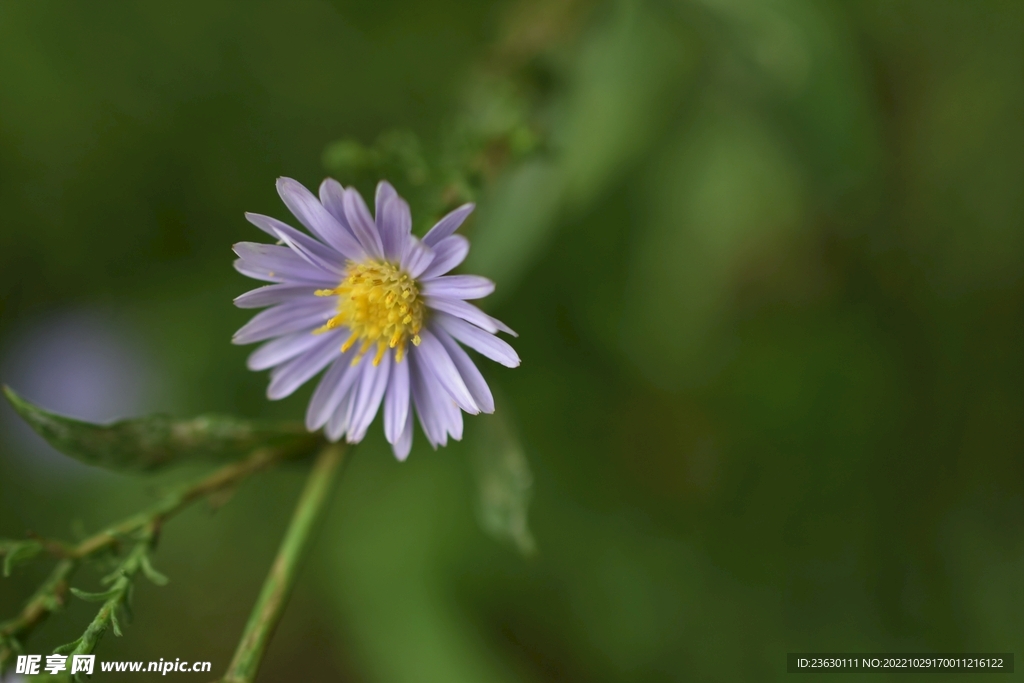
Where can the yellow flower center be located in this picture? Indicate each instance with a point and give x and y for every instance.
(381, 305)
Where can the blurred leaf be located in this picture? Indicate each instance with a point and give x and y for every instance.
(799, 56)
(395, 153)
(16, 552)
(396, 156)
(630, 75)
(67, 648)
(701, 244)
(504, 483)
(96, 597)
(152, 574)
(516, 223)
(147, 443)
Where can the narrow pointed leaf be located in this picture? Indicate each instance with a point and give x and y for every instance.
(16, 552)
(114, 623)
(146, 443)
(67, 648)
(504, 482)
(96, 597)
(152, 574)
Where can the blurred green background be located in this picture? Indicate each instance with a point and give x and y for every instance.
(764, 257)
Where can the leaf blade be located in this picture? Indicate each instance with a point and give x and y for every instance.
(151, 442)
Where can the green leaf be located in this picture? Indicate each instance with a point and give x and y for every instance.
(152, 574)
(629, 75)
(17, 552)
(97, 597)
(13, 645)
(517, 222)
(150, 442)
(114, 623)
(504, 482)
(67, 648)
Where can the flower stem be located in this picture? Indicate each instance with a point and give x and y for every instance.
(279, 582)
(52, 594)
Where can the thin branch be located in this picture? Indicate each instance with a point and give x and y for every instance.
(117, 597)
(279, 582)
(48, 598)
(51, 595)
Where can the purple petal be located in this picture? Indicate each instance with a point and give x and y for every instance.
(458, 287)
(342, 415)
(325, 257)
(285, 379)
(396, 402)
(334, 386)
(418, 257)
(403, 445)
(394, 221)
(361, 223)
(273, 294)
(428, 397)
(385, 191)
(285, 318)
(314, 253)
(479, 340)
(469, 312)
(436, 359)
(312, 214)
(452, 417)
(367, 401)
(448, 253)
(454, 420)
(264, 223)
(275, 264)
(332, 196)
(447, 225)
(475, 382)
(284, 348)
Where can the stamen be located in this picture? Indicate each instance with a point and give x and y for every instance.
(381, 306)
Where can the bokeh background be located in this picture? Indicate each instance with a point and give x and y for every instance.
(764, 257)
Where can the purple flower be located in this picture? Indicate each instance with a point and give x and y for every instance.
(373, 304)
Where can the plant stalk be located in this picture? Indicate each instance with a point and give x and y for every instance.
(52, 594)
(279, 582)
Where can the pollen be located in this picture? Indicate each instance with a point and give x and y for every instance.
(381, 306)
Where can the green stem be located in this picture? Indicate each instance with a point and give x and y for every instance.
(279, 582)
(52, 594)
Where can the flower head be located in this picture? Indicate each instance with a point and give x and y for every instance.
(364, 298)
